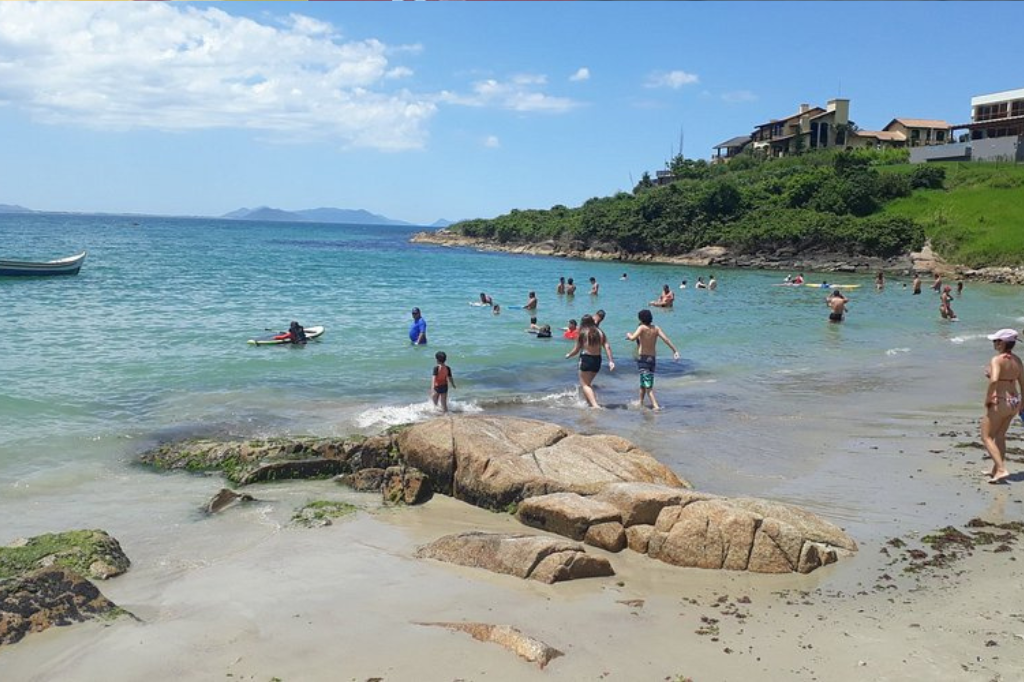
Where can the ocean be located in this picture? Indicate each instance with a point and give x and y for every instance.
(148, 344)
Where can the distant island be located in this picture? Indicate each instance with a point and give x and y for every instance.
(313, 215)
(265, 213)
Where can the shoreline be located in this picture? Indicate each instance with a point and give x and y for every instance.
(920, 262)
(348, 600)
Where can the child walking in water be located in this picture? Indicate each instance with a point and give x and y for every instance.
(439, 382)
(646, 336)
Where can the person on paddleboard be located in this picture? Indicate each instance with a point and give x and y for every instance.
(295, 334)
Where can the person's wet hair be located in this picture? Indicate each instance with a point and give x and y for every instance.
(441, 356)
(645, 316)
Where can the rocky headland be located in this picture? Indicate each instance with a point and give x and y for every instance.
(925, 261)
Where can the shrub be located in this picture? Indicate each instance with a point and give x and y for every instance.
(926, 176)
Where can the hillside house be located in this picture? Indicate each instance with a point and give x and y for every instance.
(995, 132)
(808, 129)
(730, 148)
(920, 131)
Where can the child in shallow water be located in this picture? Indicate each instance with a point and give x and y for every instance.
(441, 379)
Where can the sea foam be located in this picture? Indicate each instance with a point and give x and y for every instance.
(390, 415)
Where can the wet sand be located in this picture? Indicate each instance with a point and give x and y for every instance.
(246, 596)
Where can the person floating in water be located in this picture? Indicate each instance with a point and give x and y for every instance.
(712, 283)
(496, 309)
(836, 302)
(571, 332)
(418, 329)
(646, 336)
(700, 283)
(439, 382)
(485, 299)
(624, 276)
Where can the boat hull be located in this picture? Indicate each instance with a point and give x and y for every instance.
(61, 266)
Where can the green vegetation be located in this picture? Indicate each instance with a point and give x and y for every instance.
(976, 220)
(861, 202)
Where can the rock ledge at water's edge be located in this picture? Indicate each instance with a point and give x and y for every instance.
(600, 490)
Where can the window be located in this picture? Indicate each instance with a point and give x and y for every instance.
(940, 135)
(823, 135)
(1017, 108)
(814, 134)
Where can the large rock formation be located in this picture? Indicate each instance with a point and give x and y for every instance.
(524, 556)
(685, 528)
(598, 489)
(494, 462)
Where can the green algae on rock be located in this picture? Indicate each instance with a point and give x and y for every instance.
(93, 553)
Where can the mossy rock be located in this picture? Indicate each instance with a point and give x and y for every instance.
(92, 553)
(320, 512)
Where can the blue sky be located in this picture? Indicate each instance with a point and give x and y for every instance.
(421, 111)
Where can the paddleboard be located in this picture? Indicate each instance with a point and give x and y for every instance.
(832, 286)
(311, 333)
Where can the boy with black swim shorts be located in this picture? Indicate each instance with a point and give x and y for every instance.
(442, 377)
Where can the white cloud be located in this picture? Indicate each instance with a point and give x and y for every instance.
(115, 66)
(739, 96)
(582, 74)
(519, 93)
(671, 79)
(398, 72)
(492, 142)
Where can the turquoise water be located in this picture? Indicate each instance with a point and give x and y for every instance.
(148, 342)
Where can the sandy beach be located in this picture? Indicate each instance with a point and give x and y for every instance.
(244, 595)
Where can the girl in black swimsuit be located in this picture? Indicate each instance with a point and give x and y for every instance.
(588, 345)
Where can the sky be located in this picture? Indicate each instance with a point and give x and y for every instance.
(447, 110)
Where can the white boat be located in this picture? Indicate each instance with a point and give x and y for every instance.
(61, 266)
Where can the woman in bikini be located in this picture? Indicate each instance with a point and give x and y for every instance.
(589, 343)
(1002, 400)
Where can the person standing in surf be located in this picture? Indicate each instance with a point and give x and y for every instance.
(946, 304)
(588, 346)
(439, 382)
(836, 303)
(1002, 400)
(646, 336)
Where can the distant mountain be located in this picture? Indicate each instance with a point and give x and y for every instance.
(441, 222)
(313, 215)
(10, 208)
